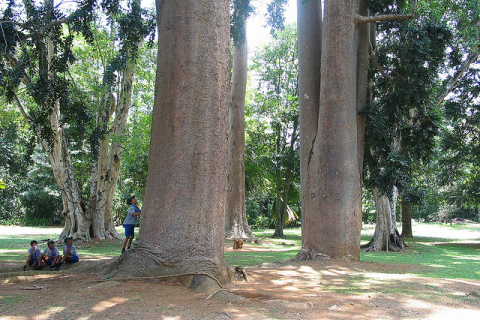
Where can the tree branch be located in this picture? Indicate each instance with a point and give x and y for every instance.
(383, 17)
(451, 83)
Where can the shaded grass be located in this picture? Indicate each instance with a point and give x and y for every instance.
(434, 257)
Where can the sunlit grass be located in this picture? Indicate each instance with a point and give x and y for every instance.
(436, 256)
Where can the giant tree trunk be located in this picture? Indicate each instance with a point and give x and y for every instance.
(386, 236)
(236, 224)
(332, 230)
(406, 219)
(183, 217)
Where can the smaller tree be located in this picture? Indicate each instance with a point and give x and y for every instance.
(276, 102)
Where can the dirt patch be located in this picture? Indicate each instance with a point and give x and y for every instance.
(293, 290)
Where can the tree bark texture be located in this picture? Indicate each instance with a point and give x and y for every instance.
(332, 228)
(77, 222)
(105, 175)
(386, 236)
(236, 224)
(183, 214)
(406, 219)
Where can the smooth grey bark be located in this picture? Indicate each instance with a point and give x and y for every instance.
(386, 236)
(309, 26)
(332, 228)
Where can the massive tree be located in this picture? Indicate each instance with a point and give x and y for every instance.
(332, 130)
(183, 218)
(331, 219)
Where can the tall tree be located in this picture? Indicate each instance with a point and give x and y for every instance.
(36, 53)
(277, 103)
(183, 218)
(133, 25)
(330, 161)
(402, 117)
(236, 224)
(332, 176)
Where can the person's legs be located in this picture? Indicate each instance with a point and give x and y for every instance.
(129, 229)
(130, 241)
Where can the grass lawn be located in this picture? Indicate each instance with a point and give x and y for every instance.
(445, 251)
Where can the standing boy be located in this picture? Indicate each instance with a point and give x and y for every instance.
(130, 222)
(34, 254)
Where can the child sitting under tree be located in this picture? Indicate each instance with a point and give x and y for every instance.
(51, 256)
(34, 254)
(70, 254)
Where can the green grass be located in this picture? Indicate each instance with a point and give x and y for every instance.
(435, 256)
(442, 258)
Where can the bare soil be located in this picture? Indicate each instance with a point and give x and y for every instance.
(290, 290)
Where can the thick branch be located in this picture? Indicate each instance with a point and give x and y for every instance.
(383, 17)
(451, 83)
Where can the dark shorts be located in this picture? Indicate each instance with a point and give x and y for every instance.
(129, 230)
(74, 259)
(32, 261)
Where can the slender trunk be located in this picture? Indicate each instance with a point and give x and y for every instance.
(183, 214)
(363, 57)
(236, 224)
(406, 219)
(309, 26)
(278, 206)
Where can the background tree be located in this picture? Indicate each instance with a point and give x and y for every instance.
(402, 118)
(77, 116)
(236, 223)
(276, 104)
(133, 25)
(34, 75)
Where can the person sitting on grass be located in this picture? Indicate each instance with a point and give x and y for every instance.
(34, 254)
(52, 256)
(70, 254)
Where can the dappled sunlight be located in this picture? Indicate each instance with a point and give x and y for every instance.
(49, 313)
(104, 305)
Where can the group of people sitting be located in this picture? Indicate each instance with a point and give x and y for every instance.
(50, 256)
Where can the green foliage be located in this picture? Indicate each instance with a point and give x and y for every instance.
(272, 147)
(460, 147)
(240, 10)
(402, 118)
(276, 16)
